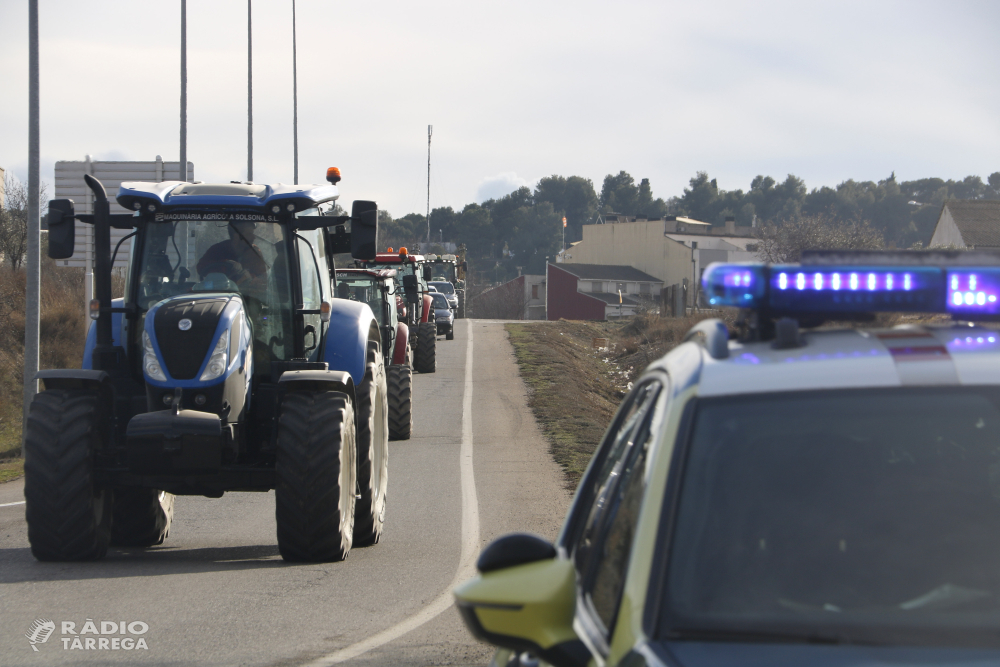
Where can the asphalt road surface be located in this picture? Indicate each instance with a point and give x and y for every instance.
(217, 592)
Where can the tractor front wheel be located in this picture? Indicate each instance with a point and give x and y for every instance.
(373, 450)
(316, 474)
(69, 517)
(426, 361)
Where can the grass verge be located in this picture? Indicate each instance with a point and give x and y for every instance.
(572, 390)
(11, 469)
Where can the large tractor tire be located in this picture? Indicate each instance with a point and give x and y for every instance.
(426, 360)
(69, 517)
(316, 473)
(373, 450)
(400, 381)
(460, 311)
(141, 517)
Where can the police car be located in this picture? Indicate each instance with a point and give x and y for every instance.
(786, 495)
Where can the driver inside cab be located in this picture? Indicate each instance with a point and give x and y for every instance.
(239, 258)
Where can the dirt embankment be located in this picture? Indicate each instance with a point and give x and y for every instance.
(575, 387)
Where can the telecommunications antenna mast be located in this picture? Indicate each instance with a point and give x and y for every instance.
(430, 131)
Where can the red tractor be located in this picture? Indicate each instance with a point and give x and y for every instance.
(378, 289)
(418, 312)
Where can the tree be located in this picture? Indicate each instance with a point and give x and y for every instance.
(619, 194)
(783, 242)
(14, 220)
(476, 230)
(574, 197)
(537, 234)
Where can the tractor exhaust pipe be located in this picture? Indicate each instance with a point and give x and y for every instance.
(104, 357)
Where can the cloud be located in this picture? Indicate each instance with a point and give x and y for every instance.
(494, 187)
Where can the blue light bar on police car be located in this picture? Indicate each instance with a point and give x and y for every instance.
(829, 289)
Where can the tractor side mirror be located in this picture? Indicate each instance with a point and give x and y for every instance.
(410, 288)
(428, 272)
(62, 228)
(364, 229)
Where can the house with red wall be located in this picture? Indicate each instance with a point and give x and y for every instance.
(597, 291)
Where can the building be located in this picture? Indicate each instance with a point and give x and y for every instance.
(968, 224)
(522, 298)
(597, 291)
(674, 250)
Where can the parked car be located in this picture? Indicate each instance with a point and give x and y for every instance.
(791, 496)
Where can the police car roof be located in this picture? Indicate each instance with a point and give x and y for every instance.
(953, 354)
(178, 193)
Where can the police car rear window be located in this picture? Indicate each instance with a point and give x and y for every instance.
(855, 510)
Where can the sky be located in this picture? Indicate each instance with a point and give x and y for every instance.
(516, 91)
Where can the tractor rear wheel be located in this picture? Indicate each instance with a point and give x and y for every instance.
(141, 517)
(69, 517)
(400, 381)
(316, 474)
(373, 450)
(460, 311)
(426, 361)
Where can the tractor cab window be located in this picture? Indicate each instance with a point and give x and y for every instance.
(444, 272)
(363, 290)
(315, 287)
(209, 255)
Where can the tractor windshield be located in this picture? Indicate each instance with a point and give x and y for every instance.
(364, 290)
(444, 271)
(200, 255)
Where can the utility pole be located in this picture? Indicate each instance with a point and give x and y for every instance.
(184, 92)
(295, 99)
(249, 91)
(33, 284)
(430, 131)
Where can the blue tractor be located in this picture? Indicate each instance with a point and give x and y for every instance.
(227, 366)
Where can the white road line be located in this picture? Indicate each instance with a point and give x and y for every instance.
(470, 539)
(20, 502)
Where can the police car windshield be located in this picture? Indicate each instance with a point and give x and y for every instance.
(874, 512)
(440, 301)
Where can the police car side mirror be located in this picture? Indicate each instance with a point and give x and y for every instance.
(364, 229)
(62, 228)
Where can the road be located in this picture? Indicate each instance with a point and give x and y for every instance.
(217, 592)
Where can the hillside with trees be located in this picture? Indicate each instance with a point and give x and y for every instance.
(524, 228)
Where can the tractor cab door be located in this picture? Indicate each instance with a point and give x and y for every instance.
(315, 287)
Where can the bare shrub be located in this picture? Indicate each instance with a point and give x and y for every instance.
(61, 338)
(14, 220)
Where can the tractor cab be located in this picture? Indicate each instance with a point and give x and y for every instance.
(412, 276)
(451, 269)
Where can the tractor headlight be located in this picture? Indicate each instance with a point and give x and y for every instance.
(219, 360)
(150, 364)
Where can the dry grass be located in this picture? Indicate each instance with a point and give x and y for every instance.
(575, 389)
(61, 339)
